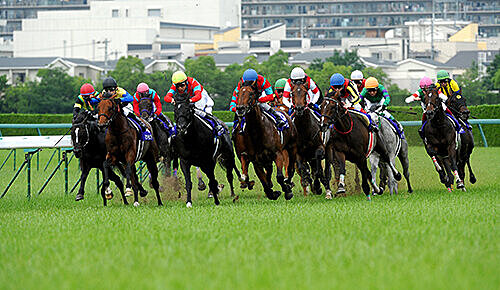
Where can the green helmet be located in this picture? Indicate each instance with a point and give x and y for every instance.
(280, 84)
(442, 75)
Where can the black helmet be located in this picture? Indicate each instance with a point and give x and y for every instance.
(109, 83)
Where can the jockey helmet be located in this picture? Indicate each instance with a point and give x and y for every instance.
(425, 82)
(371, 83)
(109, 82)
(356, 75)
(337, 80)
(249, 75)
(280, 84)
(142, 88)
(442, 75)
(179, 77)
(87, 89)
(297, 74)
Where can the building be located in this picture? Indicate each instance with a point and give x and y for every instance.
(347, 18)
(111, 29)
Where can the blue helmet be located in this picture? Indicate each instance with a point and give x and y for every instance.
(250, 75)
(337, 80)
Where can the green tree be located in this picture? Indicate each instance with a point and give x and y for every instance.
(322, 77)
(316, 64)
(128, 73)
(496, 80)
(3, 84)
(347, 58)
(275, 67)
(377, 73)
(17, 99)
(491, 71)
(474, 89)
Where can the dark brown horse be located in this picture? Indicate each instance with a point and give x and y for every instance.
(350, 140)
(310, 147)
(441, 140)
(122, 144)
(265, 144)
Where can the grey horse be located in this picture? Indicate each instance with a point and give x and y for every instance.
(396, 147)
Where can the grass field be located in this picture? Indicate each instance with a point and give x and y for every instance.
(429, 239)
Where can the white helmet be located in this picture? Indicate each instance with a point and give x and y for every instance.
(356, 75)
(297, 74)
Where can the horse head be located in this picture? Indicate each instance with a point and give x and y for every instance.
(247, 99)
(183, 114)
(108, 108)
(146, 108)
(331, 111)
(432, 102)
(299, 98)
(80, 133)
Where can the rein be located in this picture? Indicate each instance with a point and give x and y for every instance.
(346, 112)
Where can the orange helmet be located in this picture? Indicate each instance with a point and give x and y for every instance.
(371, 83)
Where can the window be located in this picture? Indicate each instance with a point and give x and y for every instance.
(114, 13)
(81, 75)
(126, 12)
(154, 12)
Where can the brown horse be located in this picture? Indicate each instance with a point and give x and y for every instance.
(351, 140)
(122, 142)
(310, 147)
(441, 140)
(265, 144)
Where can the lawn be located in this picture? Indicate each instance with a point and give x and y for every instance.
(429, 239)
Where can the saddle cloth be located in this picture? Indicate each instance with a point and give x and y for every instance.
(283, 118)
(144, 136)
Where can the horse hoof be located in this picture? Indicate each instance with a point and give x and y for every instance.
(328, 194)
(79, 197)
(410, 190)
(461, 185)
(160, 189)
(235, 199)
(251, 184)
(108, 193)
(340, 190)
(368, 197)
(201, 185)
(398, 176)
(179, 196)
(274, 195)
(288, 195)
(136, 204)
(243, 185)
(473, 179)
(143, 193)
(189, 204)
(463, 189)
(128, 192)
(210, 195)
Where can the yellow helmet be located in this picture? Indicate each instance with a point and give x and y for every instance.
(371, 83)
(179, 77)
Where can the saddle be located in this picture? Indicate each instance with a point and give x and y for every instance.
(452, 119)
(144, 133)
(397, 128)
(281, 115)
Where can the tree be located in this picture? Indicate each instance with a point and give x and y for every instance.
(347, 58)
(377, 73)
(17, 98)
(491, 71)
(3, 84)
(128, 73)
(316, 64)
(474, 88)
(496, 79)
(275, 67)
(322, 77)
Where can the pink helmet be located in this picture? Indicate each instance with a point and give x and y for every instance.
(142, 88)
(425, 82)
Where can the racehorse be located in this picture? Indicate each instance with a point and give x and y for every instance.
(351, 140)
(310, 147)
(89, 147)
(162, 136)
(265, 144)
(441, 140)
(396, 147)
(196, 145)
(124, 145)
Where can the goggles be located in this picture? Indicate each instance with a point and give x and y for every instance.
(358, 82)
(337, 87)
(371, 90)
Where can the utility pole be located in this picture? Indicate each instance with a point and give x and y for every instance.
(64, 47)
(432, 32)
(106, 41)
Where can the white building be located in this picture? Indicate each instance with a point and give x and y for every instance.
(84, 34)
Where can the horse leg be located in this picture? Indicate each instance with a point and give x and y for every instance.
(405, 163)
(374, 163)
(131, 181)
(185, 167)
(118, 182)
(83, 179)
(385, 156)
(280, 177)
(153, 170)
(305, 179)
(340, 158)
(392, 183)
(356, 180)
(448, 174)
(472, 177)
(213, 185)
(365, 176)
(105, 176)
(452, 157)
(290, 158)
(261, 174)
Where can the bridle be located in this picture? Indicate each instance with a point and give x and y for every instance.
(113, 115)
(333, 120)
(247, 107)
(178, 104)
(148, 112)
(77, 129)
(299, 110)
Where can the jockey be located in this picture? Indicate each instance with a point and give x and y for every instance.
(425, 84)
(251, 77)
(375, 94)
(349, 95)
(143, 91)
(298, 76)
(111, 89)
(84, 100)
(449, 87)
(358, 78)
(197, 94)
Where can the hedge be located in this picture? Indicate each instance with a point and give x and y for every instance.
(492, 132)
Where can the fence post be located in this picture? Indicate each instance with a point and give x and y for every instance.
(97, 179)
(28, 173)
(65, 171)
(482, 135)
(15, 153)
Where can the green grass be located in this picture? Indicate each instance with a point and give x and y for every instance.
(430, 239)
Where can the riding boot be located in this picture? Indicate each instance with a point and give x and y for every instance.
(219, 128)
(279, 122)
(138, 120)
(165, 121)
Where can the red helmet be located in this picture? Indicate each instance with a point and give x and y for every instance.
(87, 89)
